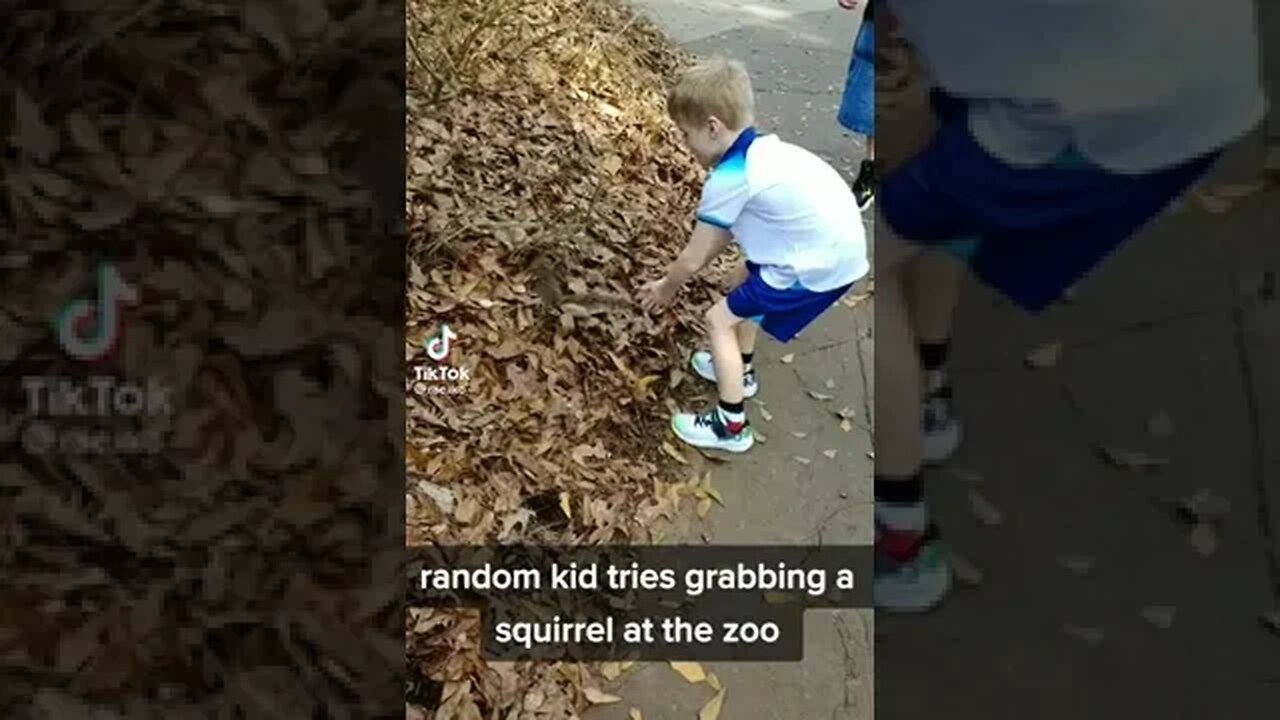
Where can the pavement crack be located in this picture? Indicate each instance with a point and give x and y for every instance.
(1257, 448)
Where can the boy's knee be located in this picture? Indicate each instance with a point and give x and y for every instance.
(718, 318)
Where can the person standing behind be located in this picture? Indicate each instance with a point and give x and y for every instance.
(858, 105)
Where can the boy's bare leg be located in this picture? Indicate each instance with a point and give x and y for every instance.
(747, 332)
(726, 353)
(934, 280)
(898, 382)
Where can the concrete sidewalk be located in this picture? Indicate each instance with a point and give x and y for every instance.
(797, 53)
(1096, 602)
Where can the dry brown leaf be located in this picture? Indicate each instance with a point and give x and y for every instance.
(566, 505)
(768, 417)
(1090, 635)
(1204, 538)
(799, 435)
(596, 696)
(964, 570)
(635, 714)
(1045, 356)
(714, 682)
(984, 510)
(1132, 460)
(704, 507)
(831, 454)
(1076, 564)
(1160, 425)
(831, 384)
(611, 670)
(1160, 616)
(788, 358)
(846, 426)
(711, 711)
(802, 460)
(692, 672)
(1271, 621)
(674, 454)
(821, 397)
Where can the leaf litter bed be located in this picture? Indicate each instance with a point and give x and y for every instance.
(544, 185)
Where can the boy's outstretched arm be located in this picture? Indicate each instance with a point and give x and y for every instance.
(707, 242)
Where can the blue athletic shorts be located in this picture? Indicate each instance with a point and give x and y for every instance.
(781, 313)
(858, 105)
(1030, 233)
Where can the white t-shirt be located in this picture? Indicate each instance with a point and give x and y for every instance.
(1134, 85)
(790, 212)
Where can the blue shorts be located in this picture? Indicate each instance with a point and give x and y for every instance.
(781, 313)
(858, 105)
(1030, 233)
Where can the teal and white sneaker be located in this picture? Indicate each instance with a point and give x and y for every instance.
(912, 574)
(708, 430)
(702, 364)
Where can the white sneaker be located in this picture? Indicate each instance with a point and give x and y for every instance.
(942, 433)
(702, 364)
(707, 430)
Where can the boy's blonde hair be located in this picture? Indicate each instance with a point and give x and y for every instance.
(717, 87)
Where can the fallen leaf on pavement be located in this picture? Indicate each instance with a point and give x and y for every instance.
(846, 426)
(635, 714)
(1161, 616)
(1204, 538)
(831, 454)
(788, 358)
(674, 454)
(692, 672)
(704, 507)
(1077, 565)
(1092, 636)
(821, 397)
(595, 696)
(800, 435)
(768, 417)
(1045, 356)
(711, 711)
(1132, 460)
(1160, 425)
(987, 513)
(802, 460)
(965, 571)
(831, 384)
(760, 437)
(714, 682)
(1271, 621)
(611, 670)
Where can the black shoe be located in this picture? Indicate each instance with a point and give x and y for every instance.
(864, 186)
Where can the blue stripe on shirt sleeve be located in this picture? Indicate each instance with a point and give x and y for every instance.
(714, 221)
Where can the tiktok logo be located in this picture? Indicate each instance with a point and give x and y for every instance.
(439, 346)
(88, 330)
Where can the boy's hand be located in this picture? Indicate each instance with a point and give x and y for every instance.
(657, 294)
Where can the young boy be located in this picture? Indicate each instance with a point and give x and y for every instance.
(1062, 128)
(793, 217)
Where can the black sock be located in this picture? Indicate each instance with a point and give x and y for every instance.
(746, 359)
(898, 491)
(735, 408)
(934, 355)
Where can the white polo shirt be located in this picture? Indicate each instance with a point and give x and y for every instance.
(1134, 85)
(790, 212)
